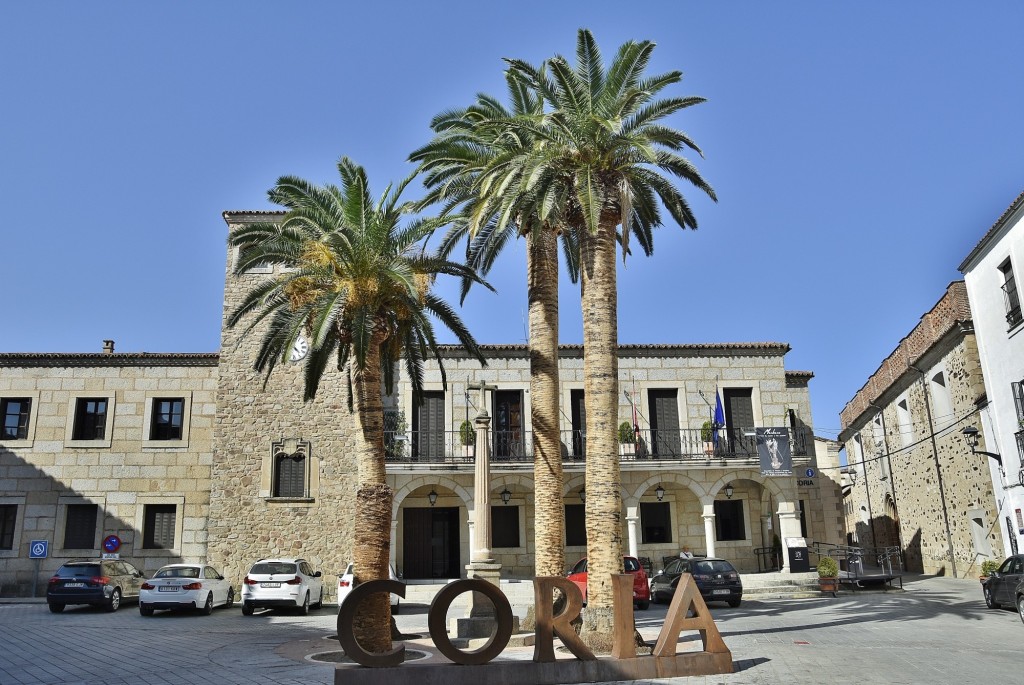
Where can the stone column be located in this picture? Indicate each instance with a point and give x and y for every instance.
(631, 522)
(709, 529)
(472, 532)
(394, 543)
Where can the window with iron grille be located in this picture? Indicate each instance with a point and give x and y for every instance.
(729, 520)
(80, 526)
(504, 526)
(655, 522)
(290, 474)
(575, 527)
(90, 418)
(8, 517)
(1010, 296)
(167, 418)
(159, 521)
(1018, 400)
(15, 412)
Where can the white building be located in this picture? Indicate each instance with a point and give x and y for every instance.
(989, 271)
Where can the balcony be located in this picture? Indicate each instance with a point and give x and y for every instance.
(1012, 302)
(444, 448)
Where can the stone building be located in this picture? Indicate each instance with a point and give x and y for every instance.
(198, 457)
(104, 444)
(917, 484)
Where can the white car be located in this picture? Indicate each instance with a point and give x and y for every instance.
(345, 585)
(185, 586)
(282, 584)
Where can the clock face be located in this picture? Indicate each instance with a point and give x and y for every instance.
(299, 349)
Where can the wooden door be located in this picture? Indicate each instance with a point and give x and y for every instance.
(664, 422)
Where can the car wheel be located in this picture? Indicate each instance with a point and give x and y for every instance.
(114, 603)
(231, 598)
(1020, 607)
(304, 609)
(145, 610)
(643, 605)
(56, 608)
(208, 607)
(989, 601)
(320, 600)
(246, 609)
(734, 603)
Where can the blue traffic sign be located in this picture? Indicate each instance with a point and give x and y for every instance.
(38, 549)
(810, 473)
(111, 543)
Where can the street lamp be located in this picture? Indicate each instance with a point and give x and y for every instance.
(728, 491)
(971, 436)
(660, 492)
(505, 496)
(432, 496)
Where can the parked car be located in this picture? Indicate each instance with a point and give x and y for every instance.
(717, 579)
(282, 584)
(641, 592)
(1001, 586)
(99, 582)
(185, 586)
(345, 585)
(1019, 597)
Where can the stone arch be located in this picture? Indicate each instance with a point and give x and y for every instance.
(767, 484)
(571, 486)
(667, 477)
(420, 481)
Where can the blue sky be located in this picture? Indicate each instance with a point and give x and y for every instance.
(859, 151)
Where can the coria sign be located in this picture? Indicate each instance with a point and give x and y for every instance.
(715, 657)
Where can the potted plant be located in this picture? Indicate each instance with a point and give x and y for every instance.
(627, 438)
(467, 436)
(707, 436)
(987, 567)
(828, 575)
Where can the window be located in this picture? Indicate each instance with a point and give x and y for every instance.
(942, 402)
(656, 522)
(729, 520)
(290, 474)
(505, 526)
(1017, 389)
(906, 426)
(80, 526)
(159, 525)
(15, 412)
(167, 419)
(979, 533)
(575, 528)
(8, 517)
(90, 419)
(1010, 296)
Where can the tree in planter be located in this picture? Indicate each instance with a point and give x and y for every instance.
(828, 575)
(627, 437)
(467, 436)
(707, 436)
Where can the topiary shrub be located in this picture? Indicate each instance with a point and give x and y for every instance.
(467, 434)
(827, 568)
(626, 436)
(987, 567)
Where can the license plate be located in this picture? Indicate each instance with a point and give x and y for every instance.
(169, 588)
(720, 592)
(74, 584)
(270, 584)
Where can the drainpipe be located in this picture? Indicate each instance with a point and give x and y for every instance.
(938, 468)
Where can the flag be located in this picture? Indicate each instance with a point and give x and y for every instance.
(719, 415)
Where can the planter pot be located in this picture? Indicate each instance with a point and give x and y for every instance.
(829, 585)
(468, 451)
(709, 448)
(626, 449)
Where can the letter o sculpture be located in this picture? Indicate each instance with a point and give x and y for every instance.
(439, 612)
(346, 615)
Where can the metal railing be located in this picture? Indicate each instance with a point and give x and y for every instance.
(516, 446)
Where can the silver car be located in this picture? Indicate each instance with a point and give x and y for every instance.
(185, 586)
(282, 584)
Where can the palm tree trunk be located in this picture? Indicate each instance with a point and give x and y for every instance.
(372, 544)
(549, 512)
(601, 388)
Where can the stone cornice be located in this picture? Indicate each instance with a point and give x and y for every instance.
(764, 349)
(58, 359)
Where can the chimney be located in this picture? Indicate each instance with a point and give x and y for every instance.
(108, 347)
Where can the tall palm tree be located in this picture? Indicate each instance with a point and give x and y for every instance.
(467, 141)
(358, 285)
(602, 148)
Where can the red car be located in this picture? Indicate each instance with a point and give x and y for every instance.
(641, 590)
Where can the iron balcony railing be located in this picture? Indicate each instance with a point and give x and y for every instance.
(1020, 448)
(694, 445)
(1010, 297)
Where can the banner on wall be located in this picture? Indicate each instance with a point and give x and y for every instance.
(774, 451)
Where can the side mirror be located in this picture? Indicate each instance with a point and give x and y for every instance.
(317, 574)
(660, 571)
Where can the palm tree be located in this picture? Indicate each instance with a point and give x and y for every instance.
(359, 287)
(602, 149)
(466, 142)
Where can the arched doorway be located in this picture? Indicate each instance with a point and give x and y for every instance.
(431, 539)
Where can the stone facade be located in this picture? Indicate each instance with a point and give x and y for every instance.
(918, 486)
(124, 472)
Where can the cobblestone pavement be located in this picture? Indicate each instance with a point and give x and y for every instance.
(936, 632)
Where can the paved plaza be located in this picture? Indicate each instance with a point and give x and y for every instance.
(937, 631)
